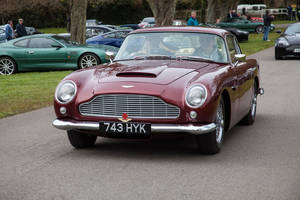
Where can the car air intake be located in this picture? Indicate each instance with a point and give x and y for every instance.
(136, 106)
(136, 74)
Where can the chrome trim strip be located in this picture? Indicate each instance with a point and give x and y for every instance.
(155, 128)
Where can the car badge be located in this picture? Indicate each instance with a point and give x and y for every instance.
(124, 118)
(127, 86)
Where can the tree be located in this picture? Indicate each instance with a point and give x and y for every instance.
(163, 11)
(78, 20)
(219, 9)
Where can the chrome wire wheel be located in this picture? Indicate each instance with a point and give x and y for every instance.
(254, 104)
(220, 121)
(7, 66)
(88, 60)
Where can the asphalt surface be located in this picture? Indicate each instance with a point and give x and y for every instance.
(258, 162)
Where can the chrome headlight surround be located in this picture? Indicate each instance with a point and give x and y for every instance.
(65, 92)
(282, 42)
(196, 96)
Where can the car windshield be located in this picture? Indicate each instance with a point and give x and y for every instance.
(173, 45)
(63, 40)
(293, 29)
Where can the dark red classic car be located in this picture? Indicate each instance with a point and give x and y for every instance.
(175, 80)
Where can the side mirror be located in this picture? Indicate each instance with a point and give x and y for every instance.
(109, 56)
(57, 46)
(240, 57)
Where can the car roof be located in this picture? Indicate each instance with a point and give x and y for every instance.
(99, 26)
(216, 31)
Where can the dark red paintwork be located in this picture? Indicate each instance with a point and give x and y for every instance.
(169, 80)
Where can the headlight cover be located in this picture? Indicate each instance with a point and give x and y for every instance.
(196, 96)
(282, 42)
(65, 92)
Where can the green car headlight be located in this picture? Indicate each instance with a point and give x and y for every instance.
(65, 92)
(196, 96)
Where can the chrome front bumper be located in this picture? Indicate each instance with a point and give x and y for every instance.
(155, 128)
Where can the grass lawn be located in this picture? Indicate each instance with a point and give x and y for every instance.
(27, 91)
(256, 44)
(23, 92)
(53, 30)
(283, 22)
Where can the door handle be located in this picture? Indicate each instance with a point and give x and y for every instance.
(30, 52)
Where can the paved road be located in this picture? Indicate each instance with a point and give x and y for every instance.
(260, 162)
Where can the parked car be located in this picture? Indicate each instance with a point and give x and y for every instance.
(147, 22)
(2, 36)
(132, 26)
(203, 85)
(244, 24)
(115, 27)
(47, 52)
(179, 22)
(239, 34)
(288, 44)
(92, 31)
(114, 38)
(32, 31)
(92, 22)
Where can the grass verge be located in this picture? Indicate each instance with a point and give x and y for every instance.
(53, 30)
(283, 22)
(23, 92)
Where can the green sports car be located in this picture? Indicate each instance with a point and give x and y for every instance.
(244, 24)
(49, 52)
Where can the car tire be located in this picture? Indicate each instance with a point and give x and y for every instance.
(7, 66)
(81, 140)
(250, 117)
(210, 143)
(88, 60)
(259, 29)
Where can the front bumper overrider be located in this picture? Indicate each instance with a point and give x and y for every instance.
(155, 128)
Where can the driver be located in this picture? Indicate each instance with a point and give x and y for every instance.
(208, 48)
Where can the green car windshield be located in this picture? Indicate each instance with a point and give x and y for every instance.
(174, 45)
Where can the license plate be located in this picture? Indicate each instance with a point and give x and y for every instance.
(297, 50)
(125, 130)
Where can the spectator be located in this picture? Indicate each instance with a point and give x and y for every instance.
(294, 11)
(193, 20)
(298, 14)
(267, 23)
(20, 29)
(230, 16)
(9, 31)
(234, 14)
(290, 9)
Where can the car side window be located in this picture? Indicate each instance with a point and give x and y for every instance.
(231, 47)
(21, 43)
(112, 35)
(237, 46)
(41, 43)
(121, 34)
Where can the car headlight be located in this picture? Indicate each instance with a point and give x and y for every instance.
(282, 42)
(196, 96)
(65, 92)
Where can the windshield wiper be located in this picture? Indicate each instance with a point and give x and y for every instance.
(194, 58)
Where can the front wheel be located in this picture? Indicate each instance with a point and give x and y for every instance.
(210, 143)
(88, 60)
(259, 29)
(7, 66)
(81, 140)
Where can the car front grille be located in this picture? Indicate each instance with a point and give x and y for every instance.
(135, 106)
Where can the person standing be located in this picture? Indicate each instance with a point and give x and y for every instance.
(20, 29)
(267, 23)
(192, 21)
(290, 9)
(9, 31)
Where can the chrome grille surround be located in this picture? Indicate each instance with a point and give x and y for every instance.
(134, 105)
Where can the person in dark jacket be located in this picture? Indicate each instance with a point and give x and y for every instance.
(192, 21)
(267, 23)
(20, 29)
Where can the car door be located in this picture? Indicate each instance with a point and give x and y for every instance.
(244, 78)
(19, 52)
(45, 53)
